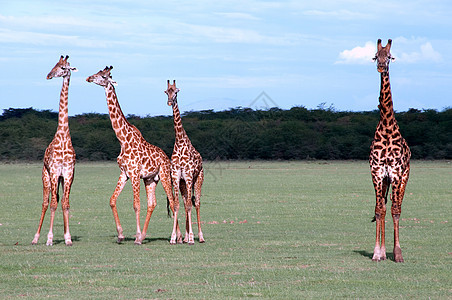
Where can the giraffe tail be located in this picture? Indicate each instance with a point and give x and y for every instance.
(60, 180)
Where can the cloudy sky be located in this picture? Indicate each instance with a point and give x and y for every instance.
(225, 54)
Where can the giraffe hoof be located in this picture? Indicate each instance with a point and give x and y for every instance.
(201, 237)
(398, 255)
(120, 239)
(35, 239)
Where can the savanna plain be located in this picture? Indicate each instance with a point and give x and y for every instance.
(280, 230)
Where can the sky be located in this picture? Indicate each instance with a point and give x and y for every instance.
(226, 54)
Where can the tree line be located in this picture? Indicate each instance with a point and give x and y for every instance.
(237, 133)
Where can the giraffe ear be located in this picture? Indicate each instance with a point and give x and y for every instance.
(112, 82)
(177, 90)
(73, 69)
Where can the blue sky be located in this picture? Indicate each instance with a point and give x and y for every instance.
(224, 54)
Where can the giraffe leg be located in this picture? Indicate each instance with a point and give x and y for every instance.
(176, 236)
(119, 186)
(54, 183)
(136, 205)
(198, 185)
(183, 191)
(396, 209)
(45, 202)
(65, 206)
(189, 236)
(381, 187)
(150, 185)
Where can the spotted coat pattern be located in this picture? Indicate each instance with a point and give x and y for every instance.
(59, 160)
(186, 170)
(137, 160)
(389, 160)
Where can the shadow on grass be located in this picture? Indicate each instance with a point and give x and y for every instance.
(148, 240)
(145, 241)
(389, 255)
(74, 238)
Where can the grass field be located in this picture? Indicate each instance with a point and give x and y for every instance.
(280, 230)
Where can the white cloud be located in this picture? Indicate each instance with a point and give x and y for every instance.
(426, 53)
(358, 55)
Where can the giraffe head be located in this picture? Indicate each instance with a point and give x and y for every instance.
(172, 91)
(61, 69)
(383, 56)
(103, 77)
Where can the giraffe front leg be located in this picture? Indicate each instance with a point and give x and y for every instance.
(152, 202)
(136, 206)
(381, 186)
(380, 249)
(119, 187)
(176, 236)
(188, 207)
(185, 189)
(396, 209)
(53, 207)
(198, 185)
(45, 202)
(65, 206)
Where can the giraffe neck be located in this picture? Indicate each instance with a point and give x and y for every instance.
(386, 107)
(63, 123)
(178, 128)
(118, 120)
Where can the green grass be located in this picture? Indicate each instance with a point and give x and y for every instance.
(284, 230)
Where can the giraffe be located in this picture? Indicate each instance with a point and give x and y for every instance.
(59, 160)
(389, 160)
(137, 160)
(186, 170)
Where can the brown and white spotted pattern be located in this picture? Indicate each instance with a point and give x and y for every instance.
(186, 170)
(59, 160)
(389, 160)
(138, 160)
